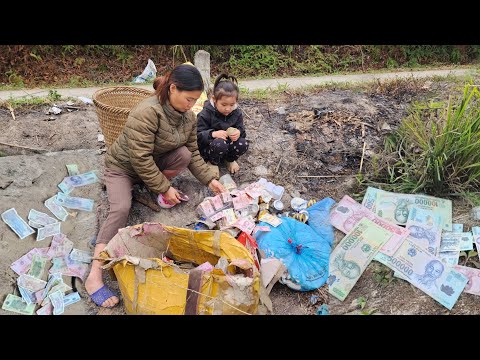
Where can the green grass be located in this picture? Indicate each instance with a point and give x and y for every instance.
(30, 101)
(435, 149)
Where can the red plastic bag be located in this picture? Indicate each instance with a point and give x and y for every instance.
(249, 242)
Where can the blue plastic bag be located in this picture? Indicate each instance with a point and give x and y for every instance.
(304, 253)
(319, 219)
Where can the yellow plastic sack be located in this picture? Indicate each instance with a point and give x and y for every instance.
(150, 284)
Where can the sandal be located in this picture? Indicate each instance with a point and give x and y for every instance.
(101, 295)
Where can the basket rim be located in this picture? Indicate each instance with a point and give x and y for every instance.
(106, 90)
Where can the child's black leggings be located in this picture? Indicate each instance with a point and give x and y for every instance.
(220, 150)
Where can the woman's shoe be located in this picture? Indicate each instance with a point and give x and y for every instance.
(164, 203)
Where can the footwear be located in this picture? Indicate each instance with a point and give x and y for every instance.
(232, 166)
(101, 295)
(164, 203)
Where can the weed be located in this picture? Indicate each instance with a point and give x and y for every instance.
(26, 101)
(53, 95)
(469, 255)
(435, 149)
(361, 303)
(382, 274)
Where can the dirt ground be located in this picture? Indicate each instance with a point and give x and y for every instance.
(292, 137)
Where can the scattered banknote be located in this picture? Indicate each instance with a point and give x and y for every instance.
(71, 298)
(425, 229)
(71, 182)
(261, 228)
(449, 258)
(466, 241)
(370, 198)
(56, 209)
(27, 296)
(59, 265)
(22, 265)
(53, 280)
(476, 236)
(16, 304)
(16, 223)
(57, 301)
(476, 230)
(226, 197)
(61, 286)
(241, 201)
(72, 169)
(473, 275)
(30, 283)
(38, 266)
(395, 207)
(69, 267)
(347, 213)
(271, 219)
(427, 272)
(352, 255)
(60, 246)
(46, 310)
(216, 216)
(81, 255)
(48, 230)
(254, 190)
(76, 268)
(229, 216)
(74, 202)
(34, 224)
(245, 225)
(217, 202)
(206, 208)
(41, 218)
(38, 296)
(456, 241)
(457, 227)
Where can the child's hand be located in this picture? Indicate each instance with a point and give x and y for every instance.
(235, 135)
(220, 134)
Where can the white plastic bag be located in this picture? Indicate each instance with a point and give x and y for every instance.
(149, 73)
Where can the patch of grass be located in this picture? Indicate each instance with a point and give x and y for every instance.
(2, 154)
(382, 275)
(53, 95)
(472, 198)
(15, 103)
(434, 150)
(470, 258)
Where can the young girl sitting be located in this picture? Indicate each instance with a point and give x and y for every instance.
(220, 130)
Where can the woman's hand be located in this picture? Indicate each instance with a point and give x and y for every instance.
(235, 135)
(220, 134)
(172, 195)
(216, 187)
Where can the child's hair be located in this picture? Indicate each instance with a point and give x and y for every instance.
(225, 85)
(185, 77)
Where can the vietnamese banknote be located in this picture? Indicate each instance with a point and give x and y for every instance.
(426, 272)
(16, 223)
(353, 254)
(347, 213)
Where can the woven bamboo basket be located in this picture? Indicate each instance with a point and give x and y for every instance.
(113, 104)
